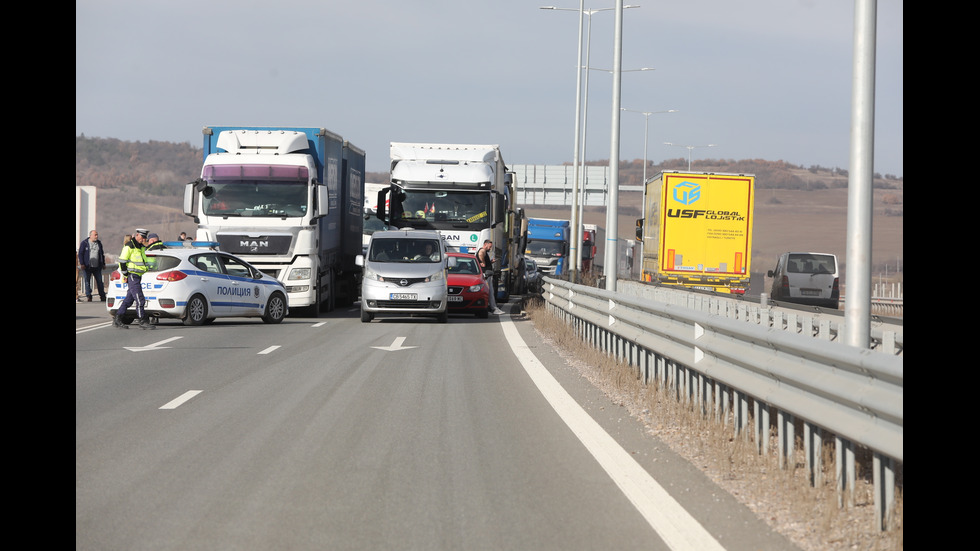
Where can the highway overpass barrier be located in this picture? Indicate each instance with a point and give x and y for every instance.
(729, 361)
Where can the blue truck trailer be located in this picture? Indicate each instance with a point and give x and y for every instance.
(547, 244)
(289, 201)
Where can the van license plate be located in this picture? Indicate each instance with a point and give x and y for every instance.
(810, 292)
(403, 296)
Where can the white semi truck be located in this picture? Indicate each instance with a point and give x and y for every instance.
(465, 193)
(289, 201)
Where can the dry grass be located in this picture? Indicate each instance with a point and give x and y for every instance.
(782, 497)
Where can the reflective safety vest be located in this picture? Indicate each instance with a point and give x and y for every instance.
(135, 260)
(151, 261)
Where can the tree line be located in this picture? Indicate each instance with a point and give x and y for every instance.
(156, 168)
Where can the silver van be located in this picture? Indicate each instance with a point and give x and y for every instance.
(404, 273)
(806, 278)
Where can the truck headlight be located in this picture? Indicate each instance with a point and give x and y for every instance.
(299, 273)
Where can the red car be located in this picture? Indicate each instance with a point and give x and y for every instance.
(468, 290)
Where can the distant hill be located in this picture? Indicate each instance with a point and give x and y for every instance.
(141, 184)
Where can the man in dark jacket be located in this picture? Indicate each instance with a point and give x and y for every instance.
(91, 257)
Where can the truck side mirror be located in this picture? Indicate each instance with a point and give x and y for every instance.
(322, 201)
(499, 207)
(189, 194)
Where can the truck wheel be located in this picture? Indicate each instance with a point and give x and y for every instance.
(275, 310)
(196, 311)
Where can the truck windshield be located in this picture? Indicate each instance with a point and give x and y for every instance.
(257, 198)
(441, 210)
(544, 248)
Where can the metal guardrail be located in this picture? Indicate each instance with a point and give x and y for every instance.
(886, 335)
(727, 366)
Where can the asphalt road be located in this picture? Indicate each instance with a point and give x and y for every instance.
(399, 434)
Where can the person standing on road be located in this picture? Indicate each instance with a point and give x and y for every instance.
(486, 264)
(133, 264)
(91, 256)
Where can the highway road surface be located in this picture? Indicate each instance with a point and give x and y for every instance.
(327, 433)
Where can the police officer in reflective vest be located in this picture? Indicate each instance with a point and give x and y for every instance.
(133, 264)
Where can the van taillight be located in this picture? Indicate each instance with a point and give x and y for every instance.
(835, 294)
(785, 284)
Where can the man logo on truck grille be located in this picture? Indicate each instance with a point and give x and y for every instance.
(689, 193)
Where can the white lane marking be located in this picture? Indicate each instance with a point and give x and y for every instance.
(176, 402)
(679, 530)
(92, 327)
(270, 349)
(319, 324)
(396, 345)
(154, 346)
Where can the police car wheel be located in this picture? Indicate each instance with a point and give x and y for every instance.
(197, 311)
(275, 309)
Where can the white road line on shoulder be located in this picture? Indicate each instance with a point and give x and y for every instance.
(92, 327)
(176, 402)
(678, 529)
(322, 323)
(270, 349)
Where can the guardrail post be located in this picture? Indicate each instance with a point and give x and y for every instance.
(845, 472)
(761, 427)
(786, 436)
(813, 452)
(884, 485)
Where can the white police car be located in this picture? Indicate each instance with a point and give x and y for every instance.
(196, 283)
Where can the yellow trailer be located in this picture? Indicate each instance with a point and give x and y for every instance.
(697, 230)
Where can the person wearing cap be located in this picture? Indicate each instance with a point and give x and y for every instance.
(153, 243)
(133, 264)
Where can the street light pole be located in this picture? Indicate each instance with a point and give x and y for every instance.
(580, 136)
(612, 209)
(578, 119)
(585, 124)
(689, 149)
(646, 136)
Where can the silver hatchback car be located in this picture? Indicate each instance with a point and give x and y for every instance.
(806, 278)
(404, 273)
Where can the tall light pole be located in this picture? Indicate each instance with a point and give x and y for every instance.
(646, 137)
(585, 124)
(689, 149)
(612, 209)
(578, 118)
(580, 108)
(646, 133)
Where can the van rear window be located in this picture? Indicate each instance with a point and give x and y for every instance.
(811, 264)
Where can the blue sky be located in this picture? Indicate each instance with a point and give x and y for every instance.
(761, 79)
